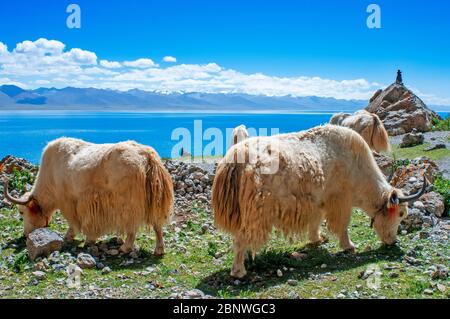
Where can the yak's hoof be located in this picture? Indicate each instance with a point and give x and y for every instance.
(240, 273)
(126, 249)
(159, 251)
(69, 239)
(350, 250)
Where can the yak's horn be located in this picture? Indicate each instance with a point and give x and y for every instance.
(12, 199)
(417, 195)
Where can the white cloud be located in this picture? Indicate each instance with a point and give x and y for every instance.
(3, 48)
(49, 63)
(40, 47)
(170, 59)
(141, 63)
(110, 64)
(82, 57)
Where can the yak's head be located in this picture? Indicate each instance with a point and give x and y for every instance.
(29, 208)
(394, 209)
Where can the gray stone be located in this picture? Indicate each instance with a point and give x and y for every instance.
(412, 139)
(86, 261)
(435, 147)
(42, 242)
(433, 203)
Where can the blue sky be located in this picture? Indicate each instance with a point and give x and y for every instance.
(278, 39)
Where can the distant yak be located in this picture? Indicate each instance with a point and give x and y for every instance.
(368, 125)
(99, 189)
(239, 134)
(321, 174)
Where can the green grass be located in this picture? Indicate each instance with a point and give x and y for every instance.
(190, 262)
(442, 186)
(441, 125)
(418, 151)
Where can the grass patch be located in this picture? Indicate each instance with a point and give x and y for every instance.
(442, 186)
(441, 125)
(201, 259)
(418, 151)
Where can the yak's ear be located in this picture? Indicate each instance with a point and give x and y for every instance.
(393, 204)
(34, 207)
(393, 199)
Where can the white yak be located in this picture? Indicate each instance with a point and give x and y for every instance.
(320, 174)
(99, 189)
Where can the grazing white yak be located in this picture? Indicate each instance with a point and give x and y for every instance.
(239, 134)
(368, 125)
(321, 175)
(99, 189)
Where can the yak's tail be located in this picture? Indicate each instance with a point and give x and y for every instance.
(380, 137)
(159, 190)
(225, 196)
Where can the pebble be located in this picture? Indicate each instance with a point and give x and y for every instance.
(86, 261)
(106, 270)
(428, 291)
(279, 273)
(292, 282)
(39, 274)
(113, 252)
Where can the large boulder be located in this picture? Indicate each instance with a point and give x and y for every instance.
(401, 110)
(412, 139)
(42, 242)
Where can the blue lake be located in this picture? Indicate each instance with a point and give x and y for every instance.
(26, 134)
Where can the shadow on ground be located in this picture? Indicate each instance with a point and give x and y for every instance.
(262, 271)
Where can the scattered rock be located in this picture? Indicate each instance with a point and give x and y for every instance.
(279, 273)
(42, 242)
(292, 282)
(433, 203)
(435, 147)
(106, 270)
(86, 261)
(113, 252)
(39, 274)
(412, 139)
(299, 256)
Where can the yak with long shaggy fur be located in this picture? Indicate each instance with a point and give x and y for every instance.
(368, 125)
(100, 189)
(318, 175)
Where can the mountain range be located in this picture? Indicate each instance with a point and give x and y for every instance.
(90, 99)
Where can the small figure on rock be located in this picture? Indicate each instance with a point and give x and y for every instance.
(399, 79)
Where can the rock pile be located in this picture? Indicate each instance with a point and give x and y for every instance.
(10, 164)
(430, 207)
(401, 110)
(191, 182)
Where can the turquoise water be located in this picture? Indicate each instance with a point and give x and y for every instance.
(26, 134)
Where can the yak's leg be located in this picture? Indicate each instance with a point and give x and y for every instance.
(90, 240)
(159, 249)
(345, 242)
(338, 218)
(314, 231)
(128, 246)
(238, 269)
(70, 235)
